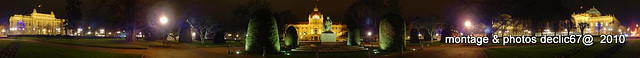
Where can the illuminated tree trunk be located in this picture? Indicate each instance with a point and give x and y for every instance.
(131, 34)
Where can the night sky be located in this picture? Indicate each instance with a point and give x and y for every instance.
(627, 11)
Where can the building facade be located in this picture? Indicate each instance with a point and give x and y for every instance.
(310, 31)
(35, 24)
(597, 23)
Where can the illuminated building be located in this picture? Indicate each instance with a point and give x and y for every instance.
(596, 22)
(310, 31)
(35, 24)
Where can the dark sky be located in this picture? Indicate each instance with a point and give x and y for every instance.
(627, 11)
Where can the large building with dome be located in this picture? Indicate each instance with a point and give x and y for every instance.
(35, 23)
(597, 22)
(310, 31)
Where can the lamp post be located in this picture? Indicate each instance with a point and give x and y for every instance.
(164, 20)
(467, 25)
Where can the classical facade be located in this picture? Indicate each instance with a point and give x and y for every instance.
(310, 31)
(35, 24)
(597, 23)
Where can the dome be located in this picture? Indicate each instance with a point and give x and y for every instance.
(593, 11)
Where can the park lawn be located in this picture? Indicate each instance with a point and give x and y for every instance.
(534, 51)
(594, 50)
(101, 42)
(4, 44)
(352, 54)
(425, 43)
(211, 44)
(630, 50)
(34, 50)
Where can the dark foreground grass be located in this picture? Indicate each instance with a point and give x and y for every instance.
(34, 50)
(551, 50)
(535, 51)
(4, 44)
(211, 44)
(103, 42)
(593, 50)
(352, 54)
(631, 50)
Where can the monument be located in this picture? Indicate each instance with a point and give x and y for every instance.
(327, 35)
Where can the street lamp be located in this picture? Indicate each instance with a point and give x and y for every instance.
(368, 33)
(164, 19)
(467, 24)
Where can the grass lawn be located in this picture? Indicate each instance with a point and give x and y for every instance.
(536, 51)
(549, 50)
(594, 50)
(630, 50)
(425, 43)
(100, 42)
(353, 54)
(211, 44)
(34, 50)
(4, 44)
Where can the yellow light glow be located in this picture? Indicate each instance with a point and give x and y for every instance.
(467, 24)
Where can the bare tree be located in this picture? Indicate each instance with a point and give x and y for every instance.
(204, 26)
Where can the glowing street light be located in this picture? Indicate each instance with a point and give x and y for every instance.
(467, 24)
(164, 20)
(368, 33)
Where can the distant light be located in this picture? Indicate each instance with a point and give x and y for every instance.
(237, 52)
(101, 30)
(369, 33)
(229, 34)
(193, 34)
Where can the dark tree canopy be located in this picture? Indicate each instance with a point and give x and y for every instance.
(185, 33)
(413, 36)
(74, 14)
(392, 33)
(219, 37)
(262, 33)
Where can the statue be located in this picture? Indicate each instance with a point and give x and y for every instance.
(327, 25)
